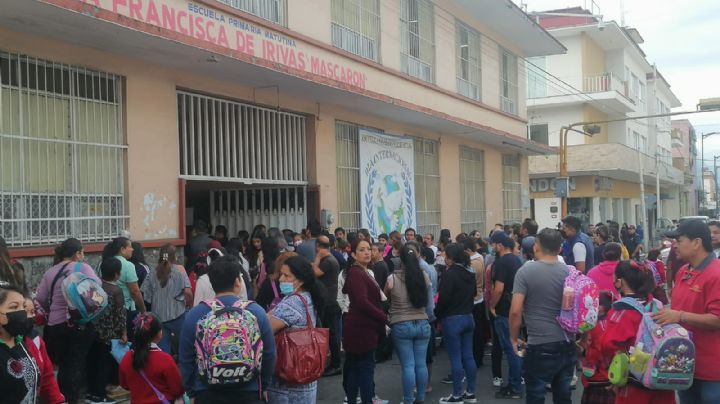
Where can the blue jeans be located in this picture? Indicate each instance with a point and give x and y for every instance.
(171, 330)
(554, 364)
(279, 393)
(701, 392)
(411, 343)
(458, 335)
(502, 328)
(358, 374)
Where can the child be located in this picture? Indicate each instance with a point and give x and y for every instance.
(597, 388)
(146, 369)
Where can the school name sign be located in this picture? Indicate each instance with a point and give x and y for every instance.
(215, 27)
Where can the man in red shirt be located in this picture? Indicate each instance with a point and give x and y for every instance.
(696, 306)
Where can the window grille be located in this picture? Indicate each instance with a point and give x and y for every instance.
(508, 82)
(468, 61)
(62, 152)
(347, 147)
(512, 189)
(427, 186)
(224, 140)
(356, 27)
(271, 10)
(417, 44)
(472, 189)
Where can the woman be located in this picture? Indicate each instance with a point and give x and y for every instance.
(635, 281)
(362, 326)
(409, 292)
(121, 248)
(267, 294)
(604, 273)
(138, 260)
(167, 289)
(146, 369)
(67, 343)
(454, 311)
(296, 279)
(11, 271)
(600, 238)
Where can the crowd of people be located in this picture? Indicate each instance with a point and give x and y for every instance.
(217, 325)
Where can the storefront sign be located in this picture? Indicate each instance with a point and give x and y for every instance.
(548, 184)
(387, 183)
(604, 184)
(218, 28)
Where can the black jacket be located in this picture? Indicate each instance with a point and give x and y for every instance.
(457, 292)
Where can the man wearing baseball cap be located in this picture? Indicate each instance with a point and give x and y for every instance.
(696, 306)
(634, 241)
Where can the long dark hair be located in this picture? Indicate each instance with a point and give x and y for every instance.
(67, 249)
(414, 276)
(456, 252)
(638, 276)
(138, 256)
(164, 268)
(147, 327)
(7, 272)
(112, 249)
(302, 270)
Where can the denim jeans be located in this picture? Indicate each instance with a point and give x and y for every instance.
(554, 364)
(701, 392)
(279, 393)
(411, 342)
(502, 328)
(171, 332)
(458, 335)
(358, 374)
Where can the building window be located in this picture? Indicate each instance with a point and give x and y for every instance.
(417, 45)
(427, 186)
(539, 133)
(356, 27)
(641, 95)
(537, 77)
(472, 190)
(634, 87)
(512, 189)
(509, 82)
(62, 152)
(271, 10)
(469, 73)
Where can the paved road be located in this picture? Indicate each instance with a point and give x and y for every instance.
(389, 387)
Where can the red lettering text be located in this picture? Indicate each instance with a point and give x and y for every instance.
(168, 15)
(136, 9)
(180, 18)
(245, 43)
(117, 3)
(152, 14)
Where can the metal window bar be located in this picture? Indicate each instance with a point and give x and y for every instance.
(473, 215)
(427, 186)
(468, 63)
(222, 140)
(271, 10)
(242, 209)
(512, 189)
(61, 152)
(417, 44)
(356, 27)
(508, 82)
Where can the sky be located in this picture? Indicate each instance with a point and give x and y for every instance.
(682, 38)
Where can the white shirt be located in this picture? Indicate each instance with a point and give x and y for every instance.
(579, 252)
(204, 290)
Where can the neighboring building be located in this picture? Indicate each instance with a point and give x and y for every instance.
(605, 63)
(711, 195)
(146, 115)
(684, 158)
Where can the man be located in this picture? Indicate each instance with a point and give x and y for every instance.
(307, 248)
(327, 269)
(224, 274)
(550, 357)
(634, 241)
(696, 306)
(600, 238)
(478, 265)
(714, 226)
(429, 241)
(505, 267)
(577, 249)
(221, 235)
(199, 242)
(339, 233)
(528, 230)
(590, 230)
(409, 234)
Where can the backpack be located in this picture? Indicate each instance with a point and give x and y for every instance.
(228, 344)
(85, 297)
(579, 313)
(655, 272)
(663, 357)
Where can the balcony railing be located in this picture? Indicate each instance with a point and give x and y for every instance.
(604, 82)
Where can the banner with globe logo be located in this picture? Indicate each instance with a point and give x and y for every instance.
(387, 183)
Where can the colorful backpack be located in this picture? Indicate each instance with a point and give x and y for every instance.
(663, 357)
(228, 344)
(84, 295)
(581, 313)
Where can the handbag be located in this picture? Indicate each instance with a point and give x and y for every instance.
(301, 353)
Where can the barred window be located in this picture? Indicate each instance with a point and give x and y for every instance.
(356, 27)
(427, 186)
(417, 45)
(468, 61)
(271, 10)
(472, 190)
(512, 189)
(347, 150)
(508, 82)
(62, 152)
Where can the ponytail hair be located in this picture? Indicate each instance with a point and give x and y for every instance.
(147, 327)
(113, 248)
(167, 259)
(414, 276)
(67, 249)
(637, 275)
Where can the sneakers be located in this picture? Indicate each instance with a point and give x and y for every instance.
(451, 399)
(449, 380)
(469, 398)
(497, 381)
(90, 399)
(378, 400)
(573, 382)
(358, 400)
(507, 393)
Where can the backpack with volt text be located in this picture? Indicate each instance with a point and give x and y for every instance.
(579, 313)
(228, 344)
(84, 295)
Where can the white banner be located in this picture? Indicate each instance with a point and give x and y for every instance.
(387, 183)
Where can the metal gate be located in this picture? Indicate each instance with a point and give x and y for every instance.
(242, 209)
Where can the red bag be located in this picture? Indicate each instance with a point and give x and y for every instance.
(302, 353)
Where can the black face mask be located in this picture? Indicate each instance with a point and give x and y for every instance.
(29, 325)
(17, 322)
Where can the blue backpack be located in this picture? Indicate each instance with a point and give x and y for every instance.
(84, 295)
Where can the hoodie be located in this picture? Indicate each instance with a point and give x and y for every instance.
(457, 292)
(604, 276)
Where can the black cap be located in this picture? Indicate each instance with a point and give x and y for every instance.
(499, 237)
(691, 229)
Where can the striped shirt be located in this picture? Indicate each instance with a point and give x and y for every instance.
(168, 302)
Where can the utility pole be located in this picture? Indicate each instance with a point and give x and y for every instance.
(657, 191)
(715, 159)
(643, 212)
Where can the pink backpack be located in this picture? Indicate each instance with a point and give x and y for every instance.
(579, 312)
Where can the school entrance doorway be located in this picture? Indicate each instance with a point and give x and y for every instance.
(244, 164)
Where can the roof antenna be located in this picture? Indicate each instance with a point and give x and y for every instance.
(622, 13)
